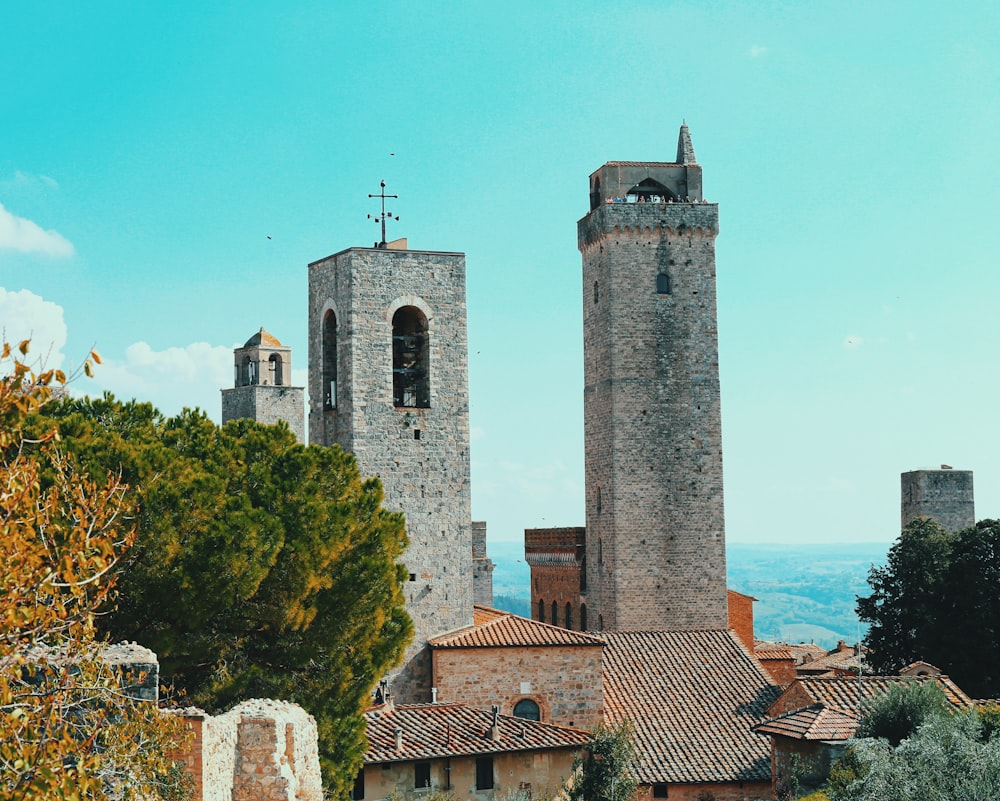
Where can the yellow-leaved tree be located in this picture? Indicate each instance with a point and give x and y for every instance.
(69, 729)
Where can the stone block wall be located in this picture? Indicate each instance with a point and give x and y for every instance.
(652, 417)
(565, 681)
(268, 405)
(261, 750)
(944, 495)
(482, 566)
(421, 455)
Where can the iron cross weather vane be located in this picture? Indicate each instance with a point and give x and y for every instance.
(385, 215)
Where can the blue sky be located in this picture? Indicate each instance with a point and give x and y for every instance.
(167, 171)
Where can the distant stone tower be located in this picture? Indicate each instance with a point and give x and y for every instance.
(388, 381)
(656, 556)
(482, 566)
(263, 393)
(944, 495)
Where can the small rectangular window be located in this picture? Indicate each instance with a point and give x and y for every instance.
(416, 433)
(484, 773)
(421, 774)
(659, 791)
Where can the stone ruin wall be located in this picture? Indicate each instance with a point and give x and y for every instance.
(260, 750)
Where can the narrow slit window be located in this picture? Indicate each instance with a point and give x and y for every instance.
(330, 361)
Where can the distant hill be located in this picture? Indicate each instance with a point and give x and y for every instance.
(805, 593)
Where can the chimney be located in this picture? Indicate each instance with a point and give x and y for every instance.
(399, 739)
(495, 726)
(434, 695)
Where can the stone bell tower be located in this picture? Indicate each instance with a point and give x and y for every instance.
(655, 537)
(388, 381)
(263, 391)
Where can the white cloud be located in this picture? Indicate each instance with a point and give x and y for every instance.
(25, 315)
(757, 51)
(18, 233)
(170, 379)
(852, 341)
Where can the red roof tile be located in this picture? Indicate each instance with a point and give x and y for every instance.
(496, 629)
(847, 693)
(692, 698)
(812, 723)
(431, 731)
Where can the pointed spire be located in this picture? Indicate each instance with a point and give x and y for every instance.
(685, 148)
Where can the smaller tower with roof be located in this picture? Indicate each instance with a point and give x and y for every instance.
(263, 391)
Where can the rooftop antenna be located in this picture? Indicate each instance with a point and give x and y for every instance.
(385, 215)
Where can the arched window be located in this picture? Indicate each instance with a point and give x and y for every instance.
(662, 284)
(652, 190)
(541, 610)
(410, 373)
(569, 615)
(527, 709)
(555, 614)
(274, 366)
(248, 373)
(583, 617)
(330, 361)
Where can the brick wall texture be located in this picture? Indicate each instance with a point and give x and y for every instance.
(652, 418)
(564, 681)
(425, 475)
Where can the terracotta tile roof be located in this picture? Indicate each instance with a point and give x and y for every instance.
(841, 658)
(772, 652)
(801, 652)
(815, 722)
(692, 698)
(846, 693)
(496, 629)
(430, 731)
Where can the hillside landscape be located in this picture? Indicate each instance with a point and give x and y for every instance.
(805, 593)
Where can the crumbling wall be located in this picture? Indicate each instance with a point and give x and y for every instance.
(260, 750)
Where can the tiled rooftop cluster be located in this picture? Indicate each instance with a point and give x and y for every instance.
(496, 629)
(430, 731)
(692, 697)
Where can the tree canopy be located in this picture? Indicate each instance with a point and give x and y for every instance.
(939, 753)
(937, 599)
(68, 728)
(261, 568)
(605, 769)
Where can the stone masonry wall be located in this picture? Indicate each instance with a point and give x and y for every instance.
(653, 432)
(261, 750)
(944, 495)
(563, 680)
(268, 405)
(420, 454)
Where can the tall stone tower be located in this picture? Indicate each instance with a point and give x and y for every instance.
(388, 381)
(263, 390)
(655, 554)
(945, 495)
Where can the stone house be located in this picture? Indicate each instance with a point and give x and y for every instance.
(814, 717)
(414, 749)
(526, 668)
